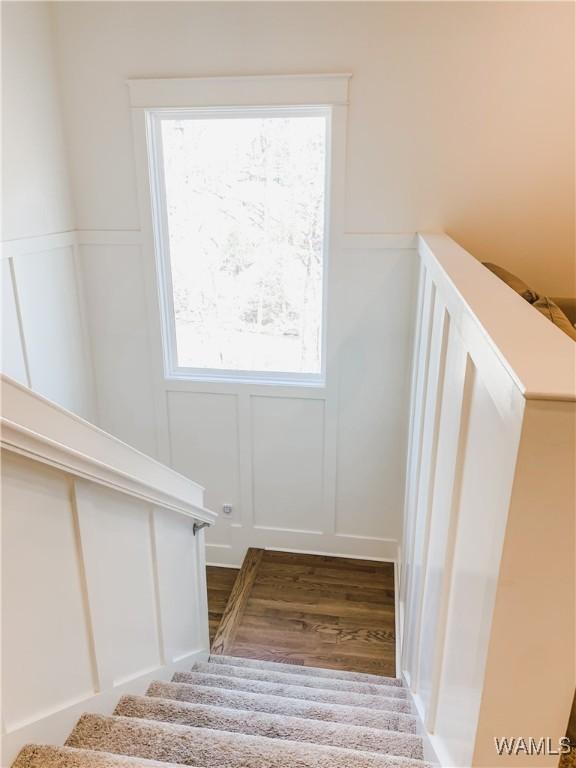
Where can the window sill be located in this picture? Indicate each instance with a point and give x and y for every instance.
(310, 381)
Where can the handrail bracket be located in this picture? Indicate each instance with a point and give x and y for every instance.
(198, 527)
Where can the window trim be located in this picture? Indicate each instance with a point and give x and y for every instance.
(172, 371)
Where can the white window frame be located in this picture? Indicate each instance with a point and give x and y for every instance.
(153, 99)
(172, 370)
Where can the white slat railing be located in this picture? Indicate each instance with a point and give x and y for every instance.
(103, 575)
(487, 575)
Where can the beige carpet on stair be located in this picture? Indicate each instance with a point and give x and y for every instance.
(273, 726)
(231, 712)
(214, 749)
(284, 705)
(306, 681)
(297, 669)
(294, 691)
(34, 756)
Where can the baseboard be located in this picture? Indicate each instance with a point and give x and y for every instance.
(432, 749)
(335, 545)
(222, 565)
(332, 554)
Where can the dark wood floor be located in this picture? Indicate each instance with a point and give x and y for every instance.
(317, 611)
(220, 583)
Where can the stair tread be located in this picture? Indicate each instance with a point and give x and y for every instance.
(275, 726)
(295, 691)
(48, 756)
(299, 669)
(258, 702)
(213, 749)
(308, 681)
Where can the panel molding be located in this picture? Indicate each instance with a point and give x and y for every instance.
(24, 246)
(382, 241)
(20, 340)
(109, 236)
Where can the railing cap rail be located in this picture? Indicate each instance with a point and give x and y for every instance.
(539, 357)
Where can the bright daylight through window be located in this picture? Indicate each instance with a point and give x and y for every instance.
(241, 198)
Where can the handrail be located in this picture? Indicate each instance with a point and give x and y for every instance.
(39, 429)
(540, 358)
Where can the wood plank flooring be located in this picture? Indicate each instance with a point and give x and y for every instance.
(318, 610)
(220, 583)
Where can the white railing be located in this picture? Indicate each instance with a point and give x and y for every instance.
(487, 575)
(103, 576)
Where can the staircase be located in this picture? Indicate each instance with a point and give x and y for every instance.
(242, 713)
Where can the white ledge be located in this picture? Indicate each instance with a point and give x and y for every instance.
(539, 357)
(247, 91)
(39, 429)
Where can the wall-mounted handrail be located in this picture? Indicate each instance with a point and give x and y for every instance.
(39, 429)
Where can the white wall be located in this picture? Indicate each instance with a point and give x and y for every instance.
(43, 339)
(304, 468)
(461, 114)
(441, 135)
(36, 195)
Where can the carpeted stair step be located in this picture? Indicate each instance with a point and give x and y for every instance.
(273, 726)
(294, 691)
(215, 749)
(308, 681)
(45, 756)
(297, 669)
(281, 705)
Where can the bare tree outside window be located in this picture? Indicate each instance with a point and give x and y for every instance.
(245, 203)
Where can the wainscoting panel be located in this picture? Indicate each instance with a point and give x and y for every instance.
(318, 469)
(50, 312)
(118, 325)
(288, 463)
(13, 354)
(204, 443)
(478, 547)
(41, 561)
(117, 538)
(453, 423)
(103, 579)
(178, 590)
(372, 289)
(44, 339)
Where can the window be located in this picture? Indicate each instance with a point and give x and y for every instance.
(240, 199)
